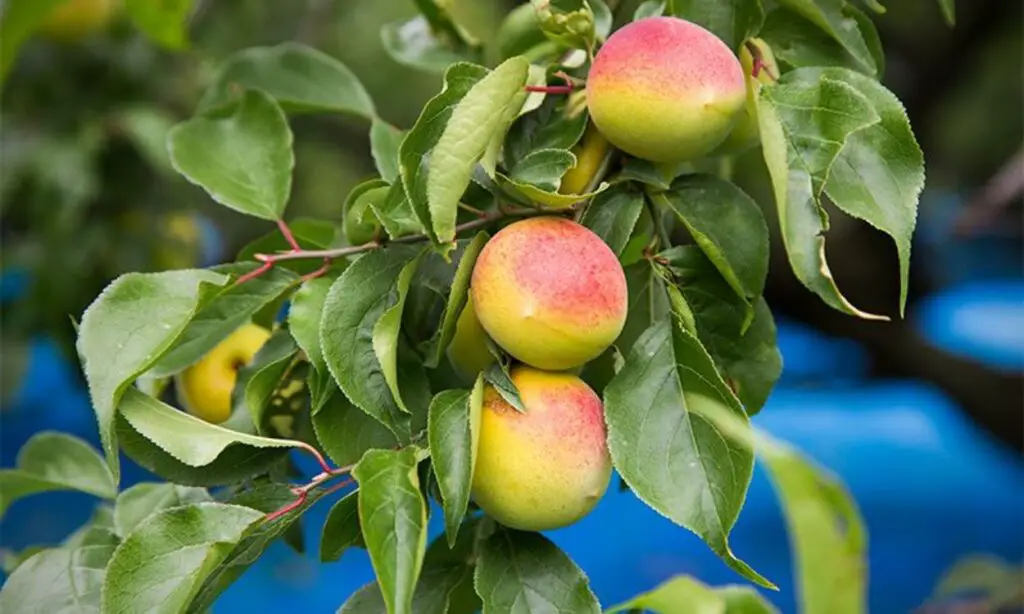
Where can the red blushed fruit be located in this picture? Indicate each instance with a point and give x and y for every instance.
(666, 90)
(546, 467)
(550, 292)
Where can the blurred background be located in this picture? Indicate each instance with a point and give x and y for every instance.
(922, 417)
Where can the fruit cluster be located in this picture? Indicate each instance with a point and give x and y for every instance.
(549, 291)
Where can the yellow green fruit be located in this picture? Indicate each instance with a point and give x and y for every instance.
(665, 90)
(73, 20)
(547, 467)
(468, 350)
(746, 133)
(204, 388)
(550, 292)
(590, 154)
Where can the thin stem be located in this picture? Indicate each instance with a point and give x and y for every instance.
(288, 236)
(550, 89)
(263, 268)
(317, 273)
(319, 457)
(473, 210)
(339, 252)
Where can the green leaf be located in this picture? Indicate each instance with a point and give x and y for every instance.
(147, 126)
(259, 379)
(745, 600)
(341, 529)
(143, 500)
(826, 531)
(879, 174)
(948, 11)
(222, 315)
(354, 304)
(803, 130)
(385, 140)
(162, 564)
(300, 78)
(457, 296)
(797, 42)
(18, 21)
(385, 337)
(832, 17)
(733, 22)
(188, 439)
(97, 531)
(361, 222)
(240, 153)
(678, 595)
(127, 329)
(307, 306)
(647, 173)
(454, 432)
(393, 516)
(418, 144)
(543, 198)
(665, 449)
(747, 355)
(55, 461)
(551, 126)
(497, 375)
(543, 168)
(445, 584)
(414, 43)
(727, 225)
(648, 303)
(164, 22)
(234, 464)
(613, 215)
(649, 8)
(474, 122)
(524, 572)
(58, 581)
(345, 432)
(254, 539)
(686, 595)
(396, 214)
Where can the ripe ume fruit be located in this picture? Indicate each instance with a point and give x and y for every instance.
(550, 292)
(665, 90)
(204, 388)
(547, 467)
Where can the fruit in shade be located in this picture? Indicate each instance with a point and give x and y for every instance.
(73, 20)
(590, 154)
(547, 467)
(746, 134)
(204, 388)
(468, 350)
(550, 292)
(665, 90)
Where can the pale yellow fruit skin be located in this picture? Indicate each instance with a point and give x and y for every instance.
(746, 134)
(548, 467)
(590, 153)
(204, 388)
(468, 350)
(76, 19)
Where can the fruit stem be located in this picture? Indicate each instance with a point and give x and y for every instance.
(550, 89)
(570, 85)
(759, 63)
